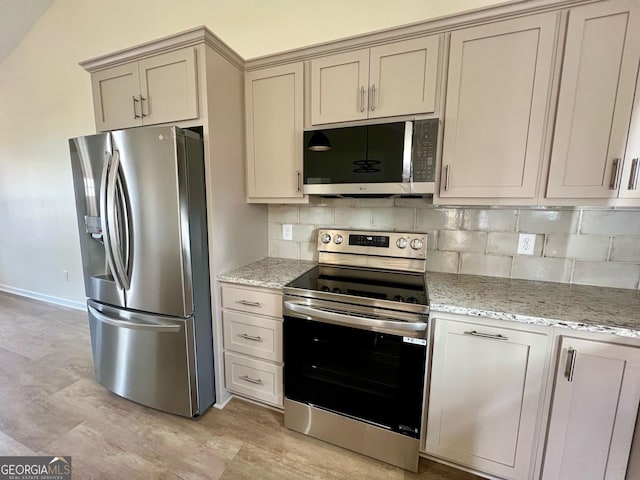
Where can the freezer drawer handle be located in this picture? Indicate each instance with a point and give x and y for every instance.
(248, 303)
(487, 335)
(250, 337)
(136, 326)
(247, 378)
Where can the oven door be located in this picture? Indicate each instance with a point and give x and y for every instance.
(373, 376)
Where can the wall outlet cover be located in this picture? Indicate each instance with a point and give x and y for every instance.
(526, 243)
(287, 231)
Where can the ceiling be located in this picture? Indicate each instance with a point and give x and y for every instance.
(16, 19)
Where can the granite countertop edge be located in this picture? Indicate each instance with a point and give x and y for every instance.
(273, 272)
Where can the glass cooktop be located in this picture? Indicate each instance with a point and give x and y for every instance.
(361, 282)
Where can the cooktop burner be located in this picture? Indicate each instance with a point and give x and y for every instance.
(367, 283)
(378, 269)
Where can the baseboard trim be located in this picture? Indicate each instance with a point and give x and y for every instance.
(220, 406)
(44, 298)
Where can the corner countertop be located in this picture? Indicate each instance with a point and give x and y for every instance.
(270, 272)
(578, 307)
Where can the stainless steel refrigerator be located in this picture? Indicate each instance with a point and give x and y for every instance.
(140, 200)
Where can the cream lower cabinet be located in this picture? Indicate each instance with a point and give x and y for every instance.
(398, 78)
(498, 89)
(599, 69)
(274, 119)
(486, 394)
(158, 89)
(252, 332)
(593, 411)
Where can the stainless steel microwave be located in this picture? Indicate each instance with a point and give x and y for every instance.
(382, 159)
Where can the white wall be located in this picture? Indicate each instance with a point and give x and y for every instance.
(45, 98)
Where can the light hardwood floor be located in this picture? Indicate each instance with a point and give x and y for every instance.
(51, 405)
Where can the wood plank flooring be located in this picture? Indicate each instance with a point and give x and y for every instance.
(51, 405)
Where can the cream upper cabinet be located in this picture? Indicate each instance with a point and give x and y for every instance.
(630, 183)
(158, 89)
(599, 70)
(498, 88)
(274, 121)
(398, 78)
(116, 100)
(593, 411)
(486, 394)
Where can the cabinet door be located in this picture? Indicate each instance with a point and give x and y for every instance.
(593, 412)
(630, 185)
(599, 70)
(274, 116)
(497, 92)
(403, 77)
(116, 101)
(340, 87)
(169, 88)
(485, 393)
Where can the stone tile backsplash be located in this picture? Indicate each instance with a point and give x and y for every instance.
(586, 246)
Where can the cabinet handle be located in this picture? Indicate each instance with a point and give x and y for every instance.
(248, 303)
(613, 184)
(253, 338)
(571, 364)
(373, 97)
(298, 175)
(446, 178)
(486, 335)
(135, 110)
(633, 178)
(362, 99)
(142, 100)
(247, 378)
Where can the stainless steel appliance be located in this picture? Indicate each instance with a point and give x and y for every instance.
(355, 344)
(140, 200)
(378, 159)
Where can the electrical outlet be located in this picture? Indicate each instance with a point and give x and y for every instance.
(65, 275)
(526, 243)
(287, 231)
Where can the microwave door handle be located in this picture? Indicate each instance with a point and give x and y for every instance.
(407, 173)
(353, 320)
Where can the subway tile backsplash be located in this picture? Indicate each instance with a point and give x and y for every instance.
(583, 246)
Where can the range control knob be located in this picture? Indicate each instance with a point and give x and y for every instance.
(401, 242)
(417, 244)
(337, 239)
(325, 238)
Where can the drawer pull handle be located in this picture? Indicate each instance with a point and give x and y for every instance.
(486, 335)
(571, 364)
(250, 337)
(247, 378)
(248, 303)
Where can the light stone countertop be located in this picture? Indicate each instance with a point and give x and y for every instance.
(270, 272)
(579, 307)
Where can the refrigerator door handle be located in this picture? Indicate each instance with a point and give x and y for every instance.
(112, 221)
(157, 327)
(122, 206)
(104, 216)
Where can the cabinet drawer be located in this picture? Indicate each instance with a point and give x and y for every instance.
(252, 301)
(256, 336)
(253, 378)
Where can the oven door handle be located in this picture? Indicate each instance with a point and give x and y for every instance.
(398, 327)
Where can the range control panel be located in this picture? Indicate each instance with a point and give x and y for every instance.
(381, 244)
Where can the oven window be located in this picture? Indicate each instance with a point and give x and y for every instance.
(371, 376)
(366, 154)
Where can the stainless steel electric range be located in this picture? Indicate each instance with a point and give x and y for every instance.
(355, 344)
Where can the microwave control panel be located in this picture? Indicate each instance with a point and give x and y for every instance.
(425, 146)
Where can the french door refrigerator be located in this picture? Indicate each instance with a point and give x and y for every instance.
(140, 200)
